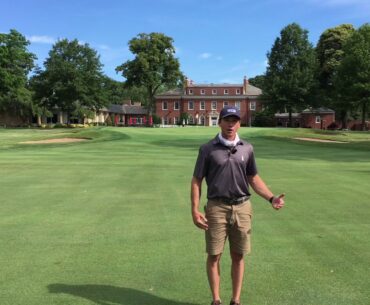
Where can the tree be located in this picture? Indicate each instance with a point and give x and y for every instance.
(290, 73)
(72, 80)
(154, 66)
(116, 92)
(15, 64)
(329, 52)
(354, 71)
(257, 81)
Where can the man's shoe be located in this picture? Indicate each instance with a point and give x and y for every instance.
(218, 302)
(234, 303)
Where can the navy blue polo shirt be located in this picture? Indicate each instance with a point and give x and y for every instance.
(226, 169)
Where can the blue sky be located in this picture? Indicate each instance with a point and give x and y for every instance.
(216, 41)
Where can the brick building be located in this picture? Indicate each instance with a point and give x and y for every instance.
(317, 118)
(200, 104)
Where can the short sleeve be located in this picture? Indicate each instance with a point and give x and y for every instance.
(200, 169)
(251, 168)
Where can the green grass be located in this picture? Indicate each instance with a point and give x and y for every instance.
(107, 221)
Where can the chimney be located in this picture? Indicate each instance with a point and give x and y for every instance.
(245, 85)
(187, 82)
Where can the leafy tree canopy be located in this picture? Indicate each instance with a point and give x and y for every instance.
(353, 78)
(257, 81)
(290, 72)
(72, 79)
(15, 64)
(154, 66)
(330, 52)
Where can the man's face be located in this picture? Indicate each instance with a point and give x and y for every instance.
(229, 127)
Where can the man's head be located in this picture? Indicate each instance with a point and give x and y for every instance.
(229, 111)
(229, 122)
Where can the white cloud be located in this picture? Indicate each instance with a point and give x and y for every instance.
(219, 58)
(205, 55)
(103, 47)
(41, 39)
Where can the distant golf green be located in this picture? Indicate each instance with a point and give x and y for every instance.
(107, 220)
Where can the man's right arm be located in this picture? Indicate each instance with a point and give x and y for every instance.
(198, 218)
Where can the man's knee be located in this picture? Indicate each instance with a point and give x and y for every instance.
(236, 257)
(214, 259)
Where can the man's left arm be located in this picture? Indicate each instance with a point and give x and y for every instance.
(259, 186)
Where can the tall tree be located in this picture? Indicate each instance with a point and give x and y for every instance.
(258, 81)
(72, 80)
(354, 71)
(15, 64)
(290, 73)
(116, 92)
(329, 51)
(154, 65)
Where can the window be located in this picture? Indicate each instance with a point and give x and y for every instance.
(214, 91)
(237, 105)
(317, 119)
(164, 106)
(175, 120)
(202, 105)
(226, 103)
(226, 91)
(252, 105)
(176, 105)
(237, 91)
(191, 91)
(214, 105)
(190, 105)
(202, 91)
(165, 121)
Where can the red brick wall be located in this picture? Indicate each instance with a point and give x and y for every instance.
(309, 120)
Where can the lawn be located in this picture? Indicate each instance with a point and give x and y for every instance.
(107, 221)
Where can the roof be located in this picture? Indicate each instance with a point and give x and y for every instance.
(125, 109)
(286, 115)
(251, 91)
(318, 110)
(215, 85)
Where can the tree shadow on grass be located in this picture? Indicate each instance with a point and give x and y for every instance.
(112, 295)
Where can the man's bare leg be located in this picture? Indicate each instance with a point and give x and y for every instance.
(237, 273)
(213, 272)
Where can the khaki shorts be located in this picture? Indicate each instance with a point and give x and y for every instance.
(232, 221)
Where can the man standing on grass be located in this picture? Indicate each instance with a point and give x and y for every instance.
(228, 165)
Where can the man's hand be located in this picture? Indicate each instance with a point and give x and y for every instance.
(200, 220)
(278, 202)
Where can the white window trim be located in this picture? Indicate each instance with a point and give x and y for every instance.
(202, 91)
(214, 108)
(214, 91)
(163, 105)
(237, 92)
(317, 119)
(252, 106)
(189, 105)
(226, 91)
(174, 105)
(237, 104)
(225, 103)
(200, 105)
(191, 92)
